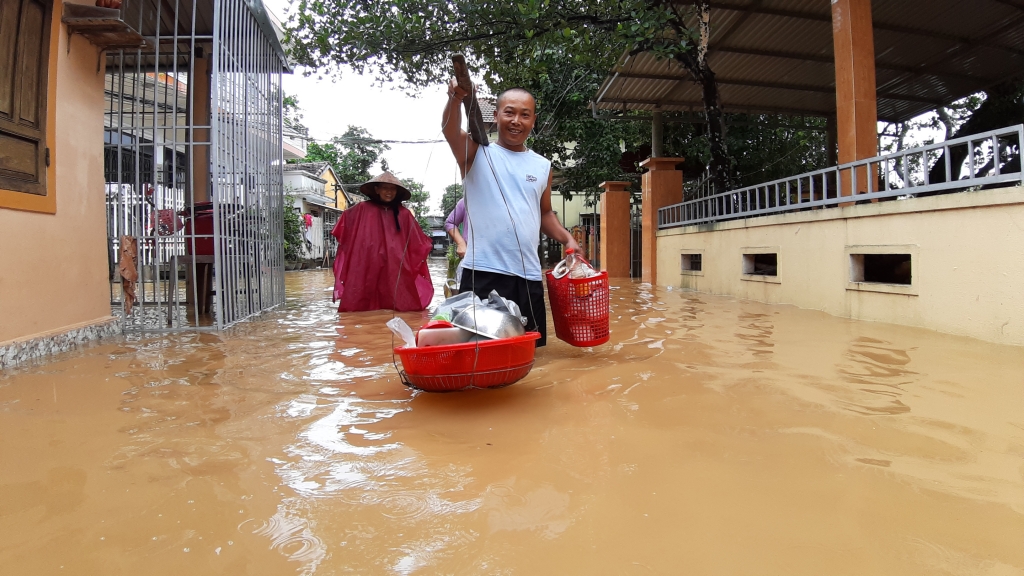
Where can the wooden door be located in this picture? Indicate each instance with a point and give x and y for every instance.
(24, 58)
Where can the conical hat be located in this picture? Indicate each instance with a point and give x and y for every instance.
(370, 189)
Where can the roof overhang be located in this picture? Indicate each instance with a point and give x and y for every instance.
(181, 20)
(776, 56)
(321, 203)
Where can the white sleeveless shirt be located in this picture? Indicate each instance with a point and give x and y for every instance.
(518, 179)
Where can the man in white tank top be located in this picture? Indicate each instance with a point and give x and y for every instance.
(508, 205)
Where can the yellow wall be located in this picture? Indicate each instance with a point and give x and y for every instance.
(967, 261)
(341, 203)
(53, 266)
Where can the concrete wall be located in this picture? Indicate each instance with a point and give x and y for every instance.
(53, 263)
(967, 261)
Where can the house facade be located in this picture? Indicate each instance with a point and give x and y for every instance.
(107, 133)
(315, 191)
(53, 284)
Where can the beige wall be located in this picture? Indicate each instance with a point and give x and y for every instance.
(569, 210)
(967, 261)
(53, 266)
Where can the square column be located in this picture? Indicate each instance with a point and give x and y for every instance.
(662, 186)
(856, 105)
(200, 86)
(615, 229)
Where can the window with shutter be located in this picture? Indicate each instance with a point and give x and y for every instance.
(24, 56)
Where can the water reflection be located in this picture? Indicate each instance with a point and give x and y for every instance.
(288, 445)
(756, 330)
(877, 373)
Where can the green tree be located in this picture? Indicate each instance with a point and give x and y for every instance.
(418, 203)
(292, 230)
(351, 155)
(452, 194)
(1003, 105)
(411, 40)
(293, 114)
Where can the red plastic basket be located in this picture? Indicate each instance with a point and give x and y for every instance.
(579, 308)
(487, 364)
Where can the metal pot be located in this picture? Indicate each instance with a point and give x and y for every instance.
(489, 322)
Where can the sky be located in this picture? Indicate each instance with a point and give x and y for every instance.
(330, 105)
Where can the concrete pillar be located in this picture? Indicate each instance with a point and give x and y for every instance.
(201, 101)
(615, 229)
(657, 135)
(856, 106)
(662, 185)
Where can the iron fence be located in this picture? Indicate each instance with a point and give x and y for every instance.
(985, 159)
(636, 236)
(193, 159)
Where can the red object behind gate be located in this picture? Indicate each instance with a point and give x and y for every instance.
(200, 223)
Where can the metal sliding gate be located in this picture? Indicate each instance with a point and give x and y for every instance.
(636, 236)
(193, 164)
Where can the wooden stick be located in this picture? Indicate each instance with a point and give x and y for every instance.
(477, 128)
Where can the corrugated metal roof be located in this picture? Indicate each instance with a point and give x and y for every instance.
(777, 56)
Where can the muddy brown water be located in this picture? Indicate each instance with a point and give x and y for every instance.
(710, 436)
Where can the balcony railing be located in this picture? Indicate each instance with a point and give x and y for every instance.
(989, 158)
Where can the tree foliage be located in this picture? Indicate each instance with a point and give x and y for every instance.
(351, 155)
(293, 114)
(417, 203)
(998, 106)
(1003, 106)
(561, 50)
(568, 44)
(292, 230)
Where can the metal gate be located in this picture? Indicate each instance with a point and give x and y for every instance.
(636, 235)
(193, 164)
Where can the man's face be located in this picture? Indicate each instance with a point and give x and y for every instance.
(515, 117)
(387, 192)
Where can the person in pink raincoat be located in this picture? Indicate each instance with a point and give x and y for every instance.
(381, 262)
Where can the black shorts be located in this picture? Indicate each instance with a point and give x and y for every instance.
(515, 288)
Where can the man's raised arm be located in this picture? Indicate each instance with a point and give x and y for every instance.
(463, 147)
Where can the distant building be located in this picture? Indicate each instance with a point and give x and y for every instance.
(438, 235)
(332, 189)
(317, 192)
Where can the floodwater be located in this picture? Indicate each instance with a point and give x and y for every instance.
(710, 436)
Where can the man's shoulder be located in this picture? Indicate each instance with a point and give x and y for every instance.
(536, 156)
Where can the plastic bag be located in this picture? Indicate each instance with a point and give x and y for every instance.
(451, 307)
(574, 266)
(494, 300)
(403, 331)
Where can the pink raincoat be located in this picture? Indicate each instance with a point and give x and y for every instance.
(370, 248)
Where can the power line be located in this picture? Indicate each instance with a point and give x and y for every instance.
(361, 140)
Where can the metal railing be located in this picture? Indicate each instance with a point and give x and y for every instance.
(985, 159)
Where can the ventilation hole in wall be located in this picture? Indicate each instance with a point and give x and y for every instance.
(880, 268)
(761, 264)
(690, 262)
